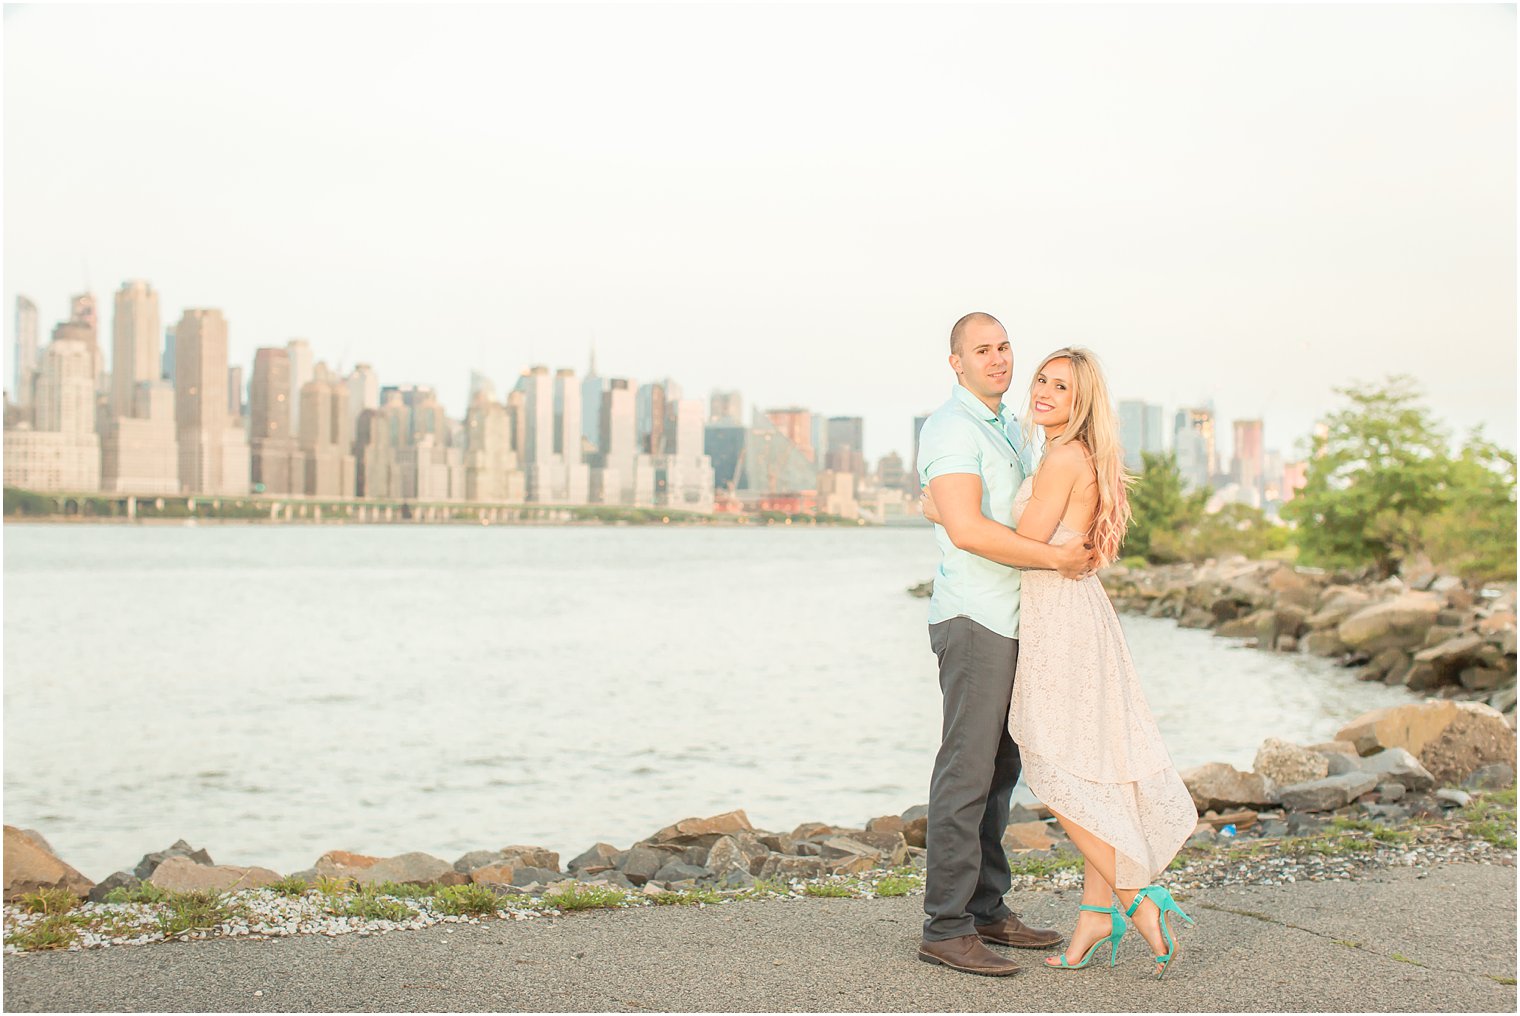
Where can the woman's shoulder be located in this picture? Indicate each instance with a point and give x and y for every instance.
(1066, 463)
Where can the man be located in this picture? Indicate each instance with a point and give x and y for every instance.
(973, 460)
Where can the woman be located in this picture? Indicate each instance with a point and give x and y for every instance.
(1090, 747)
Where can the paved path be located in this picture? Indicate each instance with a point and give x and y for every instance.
(1395, 941)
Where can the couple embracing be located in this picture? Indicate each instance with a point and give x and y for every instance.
(1033, 666)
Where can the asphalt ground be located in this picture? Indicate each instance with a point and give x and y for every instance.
(1396, 940)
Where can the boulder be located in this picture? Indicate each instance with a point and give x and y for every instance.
(600, 855)
(725, 856)
(915, 812)
(1290, 620)
(611, 877)
(477, 859)
(752, 848)
(680, 871)
(1329, 793)
(1494, 776)
(1399, 623)
(181, 874)
(1384, 663)
(836, 847)
(1390, 792)
(1503, 700)
(30, 867)
(690, 830)
(1336, 604)
(886, 824)
(119, 880)
(853, 865)
(1028, 836)
(414, 868)
(812, 830)
(1482, 678)
(1393, 765)
(1284, 763)
(342, 864)
(780, 866)
(1324, 643)
(1332, 748)
(180, 849)
(1220, 786)
(1450, 656)
(779, 843)
(916, 831)
(644, 860)
(1450, 739)
(536, 857)
(1243, 627)
(529, 875)
(492, 874)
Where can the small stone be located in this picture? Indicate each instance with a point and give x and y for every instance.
(1327, 794)
(1285, 764)
(1454, 798)
(1495, 776)
(180, 849)
(598, 856)
(1390, 792)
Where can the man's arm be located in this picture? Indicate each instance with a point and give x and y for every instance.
(959, 499)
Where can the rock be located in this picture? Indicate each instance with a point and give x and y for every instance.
(414, 868)
(1303, 824)
(739, 880)
(1476, 736)
(1274, 828)
(1411, 727)
(1440, 633)
(1332, 748)
(1399, 623)
(645, 859)
(886, 824)
(181, 874)
(536, 857)
(725, 856)
(812, 831)
(1242, 627)
(1220, 786)
(780, 843)
(891, 847)
(611, 877)
(528, 875)
(836, 847)
(1028, 836)
(916, 831)
(1390, 792)
(1389, 765)
(754, 851)
(342, 864)
(1290, 620)
(38, 839)
(688, 830)
(145, 867)
(1337, 604)
(1203, 836)
(1482, 678)
(493, 874)
(1383, 663)
(600, 855)
(1499, 621)
(680, 871)
(1324, 643)
(916, 812)
(1389, 813)
(119, 880)
(853, 865)
(477, 859)
(780, 866)
(1327, 794)
(1503, 700)
(1284, 763)
(1195, 617)
(30, 867)
(1453, 798)
(1449, 657)
(1495, 776)
(1420, 676)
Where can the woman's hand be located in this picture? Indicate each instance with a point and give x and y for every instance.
(926, 503)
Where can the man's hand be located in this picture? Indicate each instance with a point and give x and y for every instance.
(928, 507)
(1076, 560)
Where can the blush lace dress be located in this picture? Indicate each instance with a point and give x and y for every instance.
(1090, 747)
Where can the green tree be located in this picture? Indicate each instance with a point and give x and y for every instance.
(1382, 477)
(1162, 509)
(1474, 535)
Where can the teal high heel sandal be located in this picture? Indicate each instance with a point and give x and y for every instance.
(1165, 905)
(1112, 940)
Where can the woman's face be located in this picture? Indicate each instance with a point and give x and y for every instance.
(1050, 394)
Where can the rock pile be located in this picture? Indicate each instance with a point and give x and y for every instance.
(1430, 634)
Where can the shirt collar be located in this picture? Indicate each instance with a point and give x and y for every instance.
(977, 406)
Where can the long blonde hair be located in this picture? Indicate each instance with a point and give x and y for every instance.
(1093, 422)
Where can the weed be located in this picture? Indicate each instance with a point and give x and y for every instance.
(1040, 867)
(147, 892)
(686, 898)
(587, 897)
(373, 907)
(49, 901)
(467, 899)
(55, 931)
(330, 886)
(185, 912)
(1401, 958)
(1501, 980)
(897, 885)
(407, 891)
(291, 886)
(1348, 943)
(827, 889)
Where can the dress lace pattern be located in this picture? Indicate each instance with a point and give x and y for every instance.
(1090, 747)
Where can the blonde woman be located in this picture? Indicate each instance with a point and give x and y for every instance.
(1090, 747)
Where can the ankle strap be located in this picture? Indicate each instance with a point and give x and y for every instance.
(1100, 910)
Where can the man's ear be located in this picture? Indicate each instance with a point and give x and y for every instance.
(955, 363)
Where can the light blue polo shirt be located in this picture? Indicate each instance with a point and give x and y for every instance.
(964, 436)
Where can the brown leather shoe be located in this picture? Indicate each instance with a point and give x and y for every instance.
(1012, 931)
(966, 954)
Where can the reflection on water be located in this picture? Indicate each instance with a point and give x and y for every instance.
(275, 692)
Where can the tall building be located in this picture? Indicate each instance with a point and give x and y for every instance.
(652, 409)
(277, 466)
(723, 443)
(796, 425)
(60, 450)
(235, 404)
(623, 473)
(26, 351)
(86, 321)
(326, 436)
(725, 407)
(684, 472)
(301, 367)
(213, 447)
(845, 439)
(1248, 467)
(1140, 431)
(134, 344)
(139, 453)
(591, 407)
(491, 471)
(1193, 439)
(168, 369)
(363, 389)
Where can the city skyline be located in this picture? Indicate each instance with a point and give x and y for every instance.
(1143, 181)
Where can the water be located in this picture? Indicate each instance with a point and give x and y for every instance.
(274, 692)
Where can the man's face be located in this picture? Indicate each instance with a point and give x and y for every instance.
(985, 361)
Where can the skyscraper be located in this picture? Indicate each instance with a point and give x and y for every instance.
(846, 439)
(276, 463)
(61, 450)
(1139, 431)
(134, 344)
(301, 366)
(213, 448)
(796, 425)
(26, 351)
(326, 438)
(1248, 466)
(168, 368)
(591, 406)
(139, 453)
(726, 407)
(1193, 439)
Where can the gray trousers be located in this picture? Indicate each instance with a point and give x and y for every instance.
(974, 775)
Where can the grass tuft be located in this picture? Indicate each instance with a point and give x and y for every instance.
(586, 897)
(898, 885)
(198, 910)
(290, 886)
(827, 889)
(49, 901)
(372, 906)
(686, 898)
(55, 931)
(460, 900)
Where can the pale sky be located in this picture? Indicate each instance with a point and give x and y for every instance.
(1253, 204)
